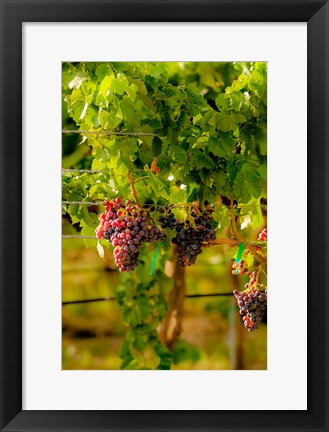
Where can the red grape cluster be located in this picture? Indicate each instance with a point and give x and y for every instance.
(127, 227)
(252, 281)
(263, 235)
(252, 306)
(190, 237)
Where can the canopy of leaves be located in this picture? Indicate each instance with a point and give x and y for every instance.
(204, 122)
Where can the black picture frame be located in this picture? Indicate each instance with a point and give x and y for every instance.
(13, 14)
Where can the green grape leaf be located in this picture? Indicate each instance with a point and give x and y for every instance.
(78, 78)
(247, 184)
(127, 109)
(226, 122)
(178, 154)
(201, 160)
(119, 84)
(90, 232)
(101, 71)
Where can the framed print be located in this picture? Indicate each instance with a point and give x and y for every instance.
(170, 135)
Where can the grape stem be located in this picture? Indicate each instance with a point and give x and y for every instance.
(133, 190)
(258, 270)
(264, 272)
(261, 285)
(140, 178)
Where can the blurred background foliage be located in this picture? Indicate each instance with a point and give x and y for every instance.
(213, 336)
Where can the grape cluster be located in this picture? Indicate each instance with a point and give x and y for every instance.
(252, 281)
(190, 237)
(263, 235)
(167, 218)
(252, 304)
(239, 268)
(127, 228)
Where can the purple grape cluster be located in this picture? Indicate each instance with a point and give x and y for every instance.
(167, 218)
(127, 228)
(191, 236)
(252, 306)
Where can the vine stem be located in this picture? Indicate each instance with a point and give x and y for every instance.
(258, 270)
(230, 242)
(133, 190)
(253, 249)
(234, 227)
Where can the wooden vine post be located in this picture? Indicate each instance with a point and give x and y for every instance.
(237, 331)
(172, 323)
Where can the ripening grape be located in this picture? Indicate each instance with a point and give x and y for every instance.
(239, 268)
(263, 235)
(127, 228)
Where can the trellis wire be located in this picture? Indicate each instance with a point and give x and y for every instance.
(85, 132)
(79, 270)
(91, 203)
(112, 298)
(71, 170)
(82, 170)
(72, 236)
(143, 205)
